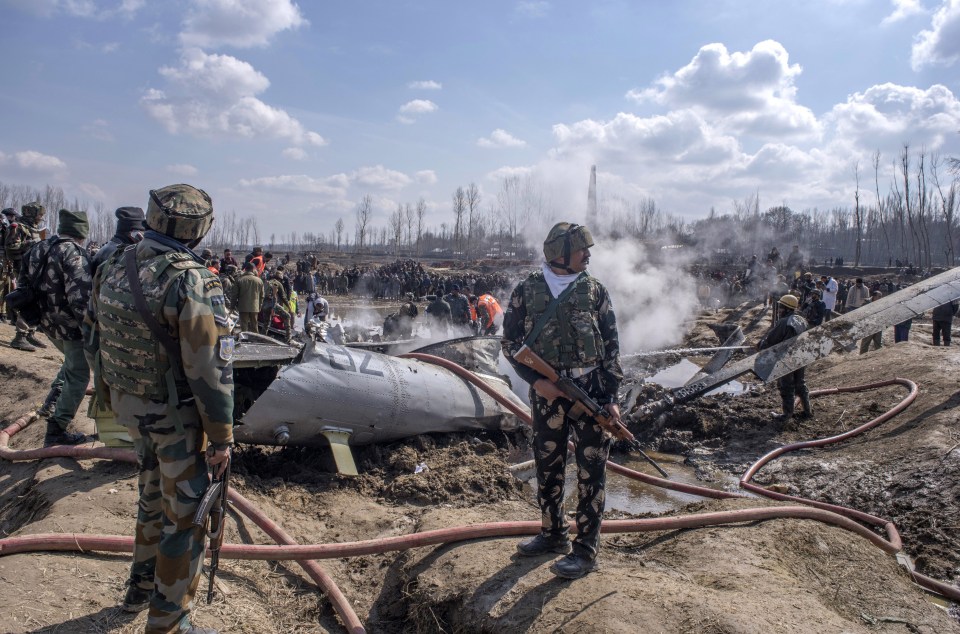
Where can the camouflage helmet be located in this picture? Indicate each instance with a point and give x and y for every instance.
(566, 238)
(181, 211)
(32, 212)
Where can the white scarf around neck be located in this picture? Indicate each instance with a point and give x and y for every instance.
(557, 283)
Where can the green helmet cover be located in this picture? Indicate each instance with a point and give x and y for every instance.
(182, 212)
(566, 238)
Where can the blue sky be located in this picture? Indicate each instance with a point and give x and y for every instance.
(294, 111)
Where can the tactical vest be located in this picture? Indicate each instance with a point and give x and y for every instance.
(132, 359)
(18, 239)
(571, 338)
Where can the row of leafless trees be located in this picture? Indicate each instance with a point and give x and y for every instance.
(911, 218)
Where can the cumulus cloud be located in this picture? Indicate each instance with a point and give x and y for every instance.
(215, 95)
(410, 110)
(903, 9)
(681, 136)
(379, 177)
(426, 177)
(182, 169)
(295, 153)
(747, 92)
(334, 186)
(509, 172)
(33, 161)
(886, 115)
(500, 139)
(532, 8)
(941, 43)
(428, 84)
(238, 23)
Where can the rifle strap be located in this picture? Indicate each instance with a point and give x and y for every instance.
(550, 311)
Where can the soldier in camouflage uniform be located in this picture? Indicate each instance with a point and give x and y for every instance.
(20, 236)
(64, 286)
(169, 406)
(130, 228)
(7, 274)
(275, 302)
(579, 339)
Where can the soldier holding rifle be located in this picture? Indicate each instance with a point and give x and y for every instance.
(160, 341)
(565, 317)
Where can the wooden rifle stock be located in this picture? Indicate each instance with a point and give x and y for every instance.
(583, 404)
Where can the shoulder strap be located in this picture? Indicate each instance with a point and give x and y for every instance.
(549, 312)
(173, 350)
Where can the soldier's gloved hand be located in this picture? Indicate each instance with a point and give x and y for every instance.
(218, 459)
(547, 390)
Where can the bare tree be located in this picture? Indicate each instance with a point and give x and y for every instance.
(408, 223)
(364, 212)
(338, 228)
(421, 214)
(396, 227)
(473, 209)
(857, 214)
(459, 207)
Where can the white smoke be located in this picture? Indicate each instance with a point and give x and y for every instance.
(653, 301)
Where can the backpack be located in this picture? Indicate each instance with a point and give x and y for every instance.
(28, 300)
(16, 241)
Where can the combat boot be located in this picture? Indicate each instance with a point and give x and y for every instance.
(573, 566)
(805, 410)
(56, 435)
(20, 343)
(34, 341)
(544, 543)
(50, 403)
(136, 599)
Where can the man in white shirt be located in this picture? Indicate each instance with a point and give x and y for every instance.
(830, 288)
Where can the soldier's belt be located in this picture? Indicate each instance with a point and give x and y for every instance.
(576, 373)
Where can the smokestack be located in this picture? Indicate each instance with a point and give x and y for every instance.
(592, 199)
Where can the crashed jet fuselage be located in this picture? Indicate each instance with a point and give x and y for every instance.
(367, 397)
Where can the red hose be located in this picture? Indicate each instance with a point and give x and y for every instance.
(289, 550)
(893, 535)
(326, 583)
(892, 544)
(80, 542)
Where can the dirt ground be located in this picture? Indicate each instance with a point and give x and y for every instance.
(775, 576)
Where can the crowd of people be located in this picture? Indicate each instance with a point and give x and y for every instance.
(150, 319)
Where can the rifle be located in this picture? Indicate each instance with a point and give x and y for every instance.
(583, 405)
(214, 506)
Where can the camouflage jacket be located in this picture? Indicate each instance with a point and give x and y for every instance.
(191, 307)
(516, 326)
(64, 285)
(18, 238)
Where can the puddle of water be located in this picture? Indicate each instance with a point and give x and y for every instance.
(630, 496)
(678, 374)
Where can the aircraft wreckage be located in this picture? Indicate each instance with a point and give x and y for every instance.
(340, 396)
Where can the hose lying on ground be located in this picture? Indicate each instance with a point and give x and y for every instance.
(323, 580)
(838, 516)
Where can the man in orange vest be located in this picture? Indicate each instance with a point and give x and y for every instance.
(490, 314)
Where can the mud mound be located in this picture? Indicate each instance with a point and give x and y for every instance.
(452, 469)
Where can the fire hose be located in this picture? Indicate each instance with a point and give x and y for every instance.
(303, 554)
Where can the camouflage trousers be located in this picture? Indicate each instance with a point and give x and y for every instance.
(552, 428)
(168, 548)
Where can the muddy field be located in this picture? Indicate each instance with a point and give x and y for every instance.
(774, 576)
